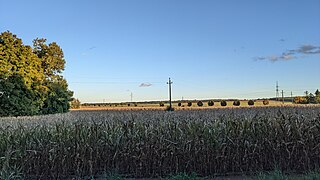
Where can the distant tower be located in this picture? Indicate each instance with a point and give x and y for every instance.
(277, 91)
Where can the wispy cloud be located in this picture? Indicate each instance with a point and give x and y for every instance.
(308, 49)
(88, 50)
(93, 47)
(145, 84)
(292, 54)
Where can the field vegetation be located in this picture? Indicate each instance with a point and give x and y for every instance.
(156, 143)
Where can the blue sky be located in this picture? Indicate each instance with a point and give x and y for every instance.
(209, 48)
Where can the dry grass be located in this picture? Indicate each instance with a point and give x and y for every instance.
(154, 143)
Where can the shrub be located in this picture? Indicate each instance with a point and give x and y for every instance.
(128, 104)
(199, 103)
(189, 103)
(75, 103)
(250, 102)
(179, 104)
(223, 103)
(210, 103)
(135, 105)
(236, 103)
(161, 104)
(265, 102)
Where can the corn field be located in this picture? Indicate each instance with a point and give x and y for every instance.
(155, 143)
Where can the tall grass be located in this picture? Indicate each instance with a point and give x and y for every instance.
(156, 143)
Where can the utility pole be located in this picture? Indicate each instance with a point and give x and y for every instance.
(277, 91)
(291, 97)
(282, 97)
(131, 96)
(170, 82)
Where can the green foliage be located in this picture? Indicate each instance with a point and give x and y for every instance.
(265, 102)
(210, 103)
(189, 103)
(317, 93)
(300, 100)
(52, 58)
(250, 102)
(179, 104)
(18, 59)
(75, 103)
(161, 104)
(199, 103)
(236, 103)
(223, 103)
(57, 100)
(16, 98)
(37, 77)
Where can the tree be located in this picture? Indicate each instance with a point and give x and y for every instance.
(58, 99)
(311, 98)
(199, 103)
(40, 71)
(75, 103)
(52, 64)
(52, 58)
(161, 104)
(317, 96)
(317, 93)
(18, 59)
(17, 99)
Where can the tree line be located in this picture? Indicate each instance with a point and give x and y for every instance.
(31, 81)
(309, 98)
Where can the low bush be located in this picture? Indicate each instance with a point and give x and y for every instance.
(210, 103)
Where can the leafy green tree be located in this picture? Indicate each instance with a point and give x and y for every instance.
(40, 71)
(16, 99)
(317, 93)
(52, 58)
(16, 58)
(53, 63)
(317, 96)
(311, 98)
(58, 99)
